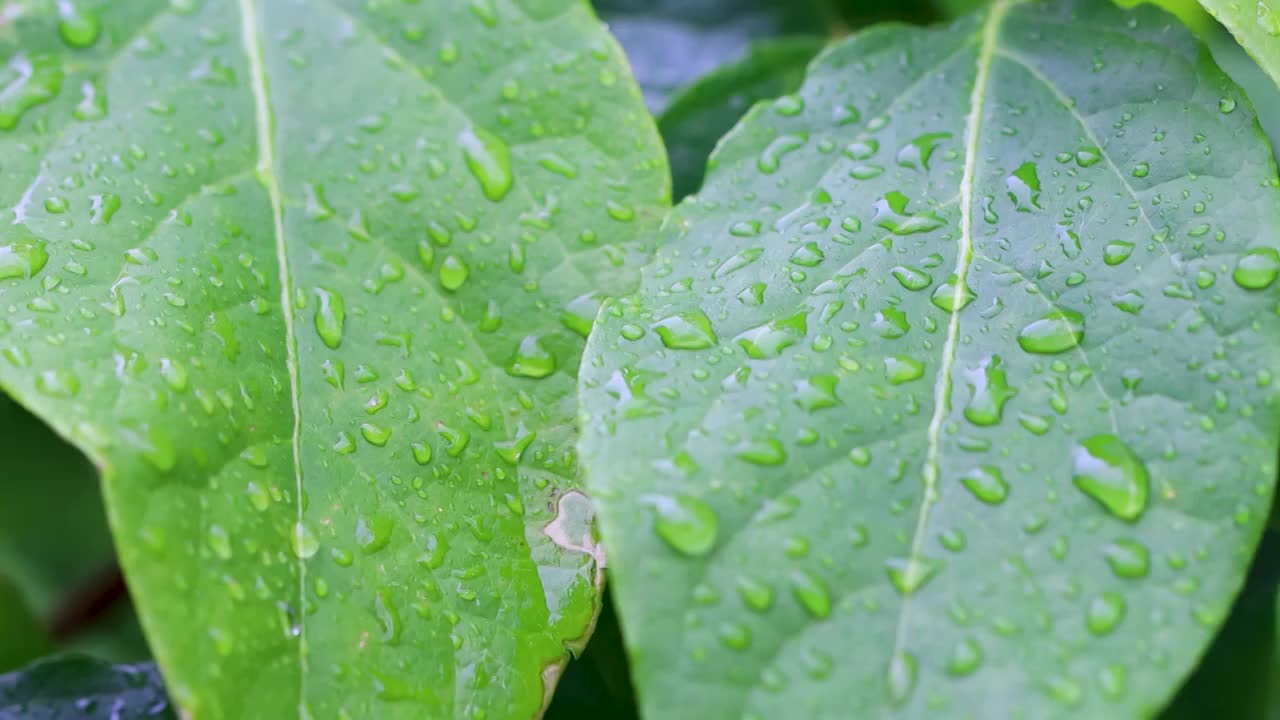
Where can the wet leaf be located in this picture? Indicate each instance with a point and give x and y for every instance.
(670, 43)
(308, 282)
(988, 418)
(85, 689)
(699, 114)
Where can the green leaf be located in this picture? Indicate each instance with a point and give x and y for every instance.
(701, 113)
(85, 689)
(1255, 25)
(1263, 93)
(670, 43)
(48, 488)
(22, 635)
(308, 282)
(953, 390)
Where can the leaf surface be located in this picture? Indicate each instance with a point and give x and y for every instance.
(309, 283)
(670, 43)
(1255, 25)
(701, 113)
(85, 689)
(951, 393)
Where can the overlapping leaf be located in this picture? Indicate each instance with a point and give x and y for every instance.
(952, 393)
(308, 282)
(1256, 25)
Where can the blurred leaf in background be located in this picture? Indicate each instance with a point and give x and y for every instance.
(672, 42)
(702, 112)
(55, 548)
(85, 689)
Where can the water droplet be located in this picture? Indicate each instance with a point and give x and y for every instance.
(38, 80)
(489, 160)
(77, 26)
(1108, 471)
(23, 257)
(770, 339)
(1024, 187)
(686, 523)
(756, 595)
(1128, 559)
(1141, 170)
(1117, 252)
(900, 679)
(917, 153)
(1255, 270)
(374, 534)
(375, 435)
(531, 359)
(902, 369)
(771, 157)
(988, 392)
(816, 392)
(1104, 612)
(966, 656)
(330, 316)
(807, 255)
(304, 542)
(103, 207)
(57, 383)
(811, 592)
(1226, 106)
(987, 484)
(944, 298)
(908, 575)
(767, 453)
(912, 278)
(892, 215)
(453, 272)
(1056, 332)
(686, 331)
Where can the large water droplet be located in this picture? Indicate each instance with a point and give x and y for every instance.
(686, 331)
(22, 256)
(892, 215)
(489, 160)
(811, 592)
(304, 542)
(532, 359)
(987, 484)
(770, 339)
(38, 80)
(78, 27)
(1024, 187)
(686, 523)
(1108, 471)
(946, 298)
(330, 317)
(1257, 268)
(988, 392)
(910, 574)
(900, 678)
(1128, 558)
(1056, 332)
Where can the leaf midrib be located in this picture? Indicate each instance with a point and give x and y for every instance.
(251, 38)
(964, 258)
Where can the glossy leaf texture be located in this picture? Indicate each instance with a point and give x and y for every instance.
(61, 688)
(951, 394)
(309, 283)
(670, 43)
(701, 113)
(1255, 25)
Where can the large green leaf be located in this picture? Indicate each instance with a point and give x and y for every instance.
(671, 42)
(1256, 25)
(825, 494)
(701, 113)
(308, 281)
(82, 688)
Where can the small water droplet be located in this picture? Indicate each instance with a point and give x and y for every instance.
(1128, 559)
(304, 542)
(811, 592)
(908, 575)
(900, 678)
(532, 359)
